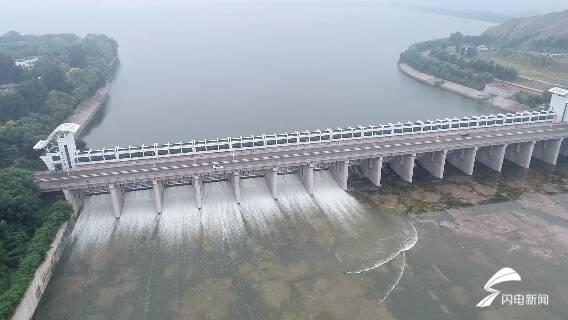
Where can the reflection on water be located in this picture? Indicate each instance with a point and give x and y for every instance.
(324, 256)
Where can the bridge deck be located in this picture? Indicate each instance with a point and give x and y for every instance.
(162, 168)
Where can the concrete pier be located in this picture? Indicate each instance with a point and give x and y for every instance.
(117, 196)
(271, 176)
(340, 172)
(307, 177)
(158, 190)
(492, 156)
(463, 159)
(564, 148)
(434, 163)
(371, 169)
(197, 187)
(74, 198)
(404, 166)
(236, 182)
(520, 153)
(547, 150)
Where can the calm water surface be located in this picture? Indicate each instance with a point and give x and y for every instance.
(212, 70)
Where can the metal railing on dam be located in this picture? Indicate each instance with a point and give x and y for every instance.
(56, 158)
(460, 142)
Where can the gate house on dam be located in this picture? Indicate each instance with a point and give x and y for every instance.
(460, 142)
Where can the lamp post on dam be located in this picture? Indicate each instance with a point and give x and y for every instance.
(460, 142)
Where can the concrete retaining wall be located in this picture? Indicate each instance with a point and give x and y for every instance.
(85, 112)
(36, 288)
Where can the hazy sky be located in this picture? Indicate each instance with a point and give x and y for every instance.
(513, 7)
(509, 7)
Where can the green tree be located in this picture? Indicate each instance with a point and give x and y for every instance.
(30, 97)
(9, 72)
(456, 38)
(19, 199)
(471, 52)
(77, 56)
(71, 69)
(52, 76)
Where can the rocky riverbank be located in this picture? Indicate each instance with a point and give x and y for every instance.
(458, 190)
(541, 187)
(471, 226)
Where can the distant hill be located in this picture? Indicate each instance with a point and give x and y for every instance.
(544, 32)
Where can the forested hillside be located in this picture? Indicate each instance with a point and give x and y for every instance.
(545, 32)
(61, 71)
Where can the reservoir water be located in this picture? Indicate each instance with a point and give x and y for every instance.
(209, 69)
(213, 69)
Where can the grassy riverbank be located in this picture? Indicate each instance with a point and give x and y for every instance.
(547, 71)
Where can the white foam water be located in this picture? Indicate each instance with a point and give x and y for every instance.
(259, 210)
(360, 245)
(396, 278)
(138, 218)
(180, 221)
(337, 205)
(220, 215)
(363, 239)
(293, 197)
(406, 243)
(94, 226)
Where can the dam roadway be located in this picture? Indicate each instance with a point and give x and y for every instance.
(270, 157)
(290, 156)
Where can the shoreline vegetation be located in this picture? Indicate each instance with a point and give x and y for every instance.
(464, 65)
(420, 70)
(456, 59)
(51, 78)
(438, 82)
(459, 89)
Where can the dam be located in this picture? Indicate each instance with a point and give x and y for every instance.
(459, 142)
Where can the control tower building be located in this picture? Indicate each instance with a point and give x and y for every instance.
(559, 103)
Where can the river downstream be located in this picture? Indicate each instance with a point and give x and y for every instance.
(361, 254)
(299, 257)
